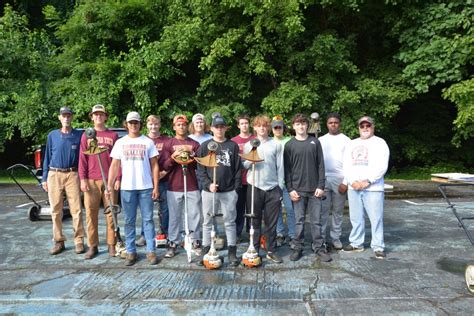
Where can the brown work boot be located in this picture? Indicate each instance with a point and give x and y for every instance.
(57, 248)
(112, 251)
(152, 258)
(80, 248)
(91, 253)
(130, 259)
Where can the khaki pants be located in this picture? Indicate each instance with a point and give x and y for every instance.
(58, 184)
(92, 200)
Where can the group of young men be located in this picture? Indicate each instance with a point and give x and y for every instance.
(304, 175)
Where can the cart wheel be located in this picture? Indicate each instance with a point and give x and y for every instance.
(470, 278)
(33, 213)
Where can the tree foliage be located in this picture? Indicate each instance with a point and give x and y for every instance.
(278, 57)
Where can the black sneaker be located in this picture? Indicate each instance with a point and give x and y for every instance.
(323, 255)
(204, 252)
(171, 252)
(280, 240)
(379, 254)
(197, 247)
(274, 257)
(296, 255)
(350, 248)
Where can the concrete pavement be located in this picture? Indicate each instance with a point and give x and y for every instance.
(424, 271)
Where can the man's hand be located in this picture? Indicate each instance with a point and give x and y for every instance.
(117, 185)
(84, 185)
(318, 193)
(155, 195)
(342, 188)
(294, 196)
(163, 174)
(213, 187)
(45, 186)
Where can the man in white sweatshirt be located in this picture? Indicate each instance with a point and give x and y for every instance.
(365, 164)
(333, 145)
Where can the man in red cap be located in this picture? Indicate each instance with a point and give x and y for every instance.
(178, 151)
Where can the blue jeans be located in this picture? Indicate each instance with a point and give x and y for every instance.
(290, 216)
(164, 209)
(370, 202)
(310, 205)
(131, 199)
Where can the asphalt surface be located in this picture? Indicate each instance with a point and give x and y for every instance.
(423, 273)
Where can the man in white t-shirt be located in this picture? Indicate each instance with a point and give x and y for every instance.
(333, 144)
(137, 155)
(365, 163)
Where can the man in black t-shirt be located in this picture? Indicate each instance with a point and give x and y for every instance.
(305, 178)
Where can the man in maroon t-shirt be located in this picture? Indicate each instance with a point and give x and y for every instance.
(243, 123)
(92, 184)
(175, 147)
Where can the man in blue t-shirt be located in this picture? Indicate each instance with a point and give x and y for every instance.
(60, 177)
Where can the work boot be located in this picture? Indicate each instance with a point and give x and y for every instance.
(131, 259)
(112, 251)
(152, 258)
(233, 260)
(204, 252)
(91, 253)
(57, 248)
(296, 254)
(80, 248)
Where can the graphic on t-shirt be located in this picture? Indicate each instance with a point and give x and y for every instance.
(159, 146)
(360, 156)
(134, 151)
(224, 157)
(187, 148)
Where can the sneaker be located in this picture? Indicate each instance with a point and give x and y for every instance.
(323, 255)
(171, 252)
(337, 244)
(152, 258)
(57, 248)
(204, 252)
(350, 248)
(274, 257)
(197, 247)
(141, 241)
(379, 254)
(130, 259)
(296, 255)
(80, 248)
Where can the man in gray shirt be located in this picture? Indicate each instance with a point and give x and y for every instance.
(268, 183)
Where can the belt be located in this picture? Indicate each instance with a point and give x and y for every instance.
(73, 169)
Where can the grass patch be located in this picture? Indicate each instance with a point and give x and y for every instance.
(423, 173)
(21, 175)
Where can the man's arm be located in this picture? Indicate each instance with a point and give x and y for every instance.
(113, 172)
(155, 169)
(46, 159)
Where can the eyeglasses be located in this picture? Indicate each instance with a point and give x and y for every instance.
(365, 125)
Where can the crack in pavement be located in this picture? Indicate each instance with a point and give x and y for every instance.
(307, 297)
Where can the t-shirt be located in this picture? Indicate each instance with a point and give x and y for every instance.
(134, 155)
(89, 164)
(159, 144)
(333, 151)
(241, 142)
(200, 139)
(175, 170)
(304, 165)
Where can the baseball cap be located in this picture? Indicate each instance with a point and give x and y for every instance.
(133, 116)
(180, 118)
(197, 116)
(218, 120)
(98, 108)
(278, 121)
(65, 110)
(367, 119)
